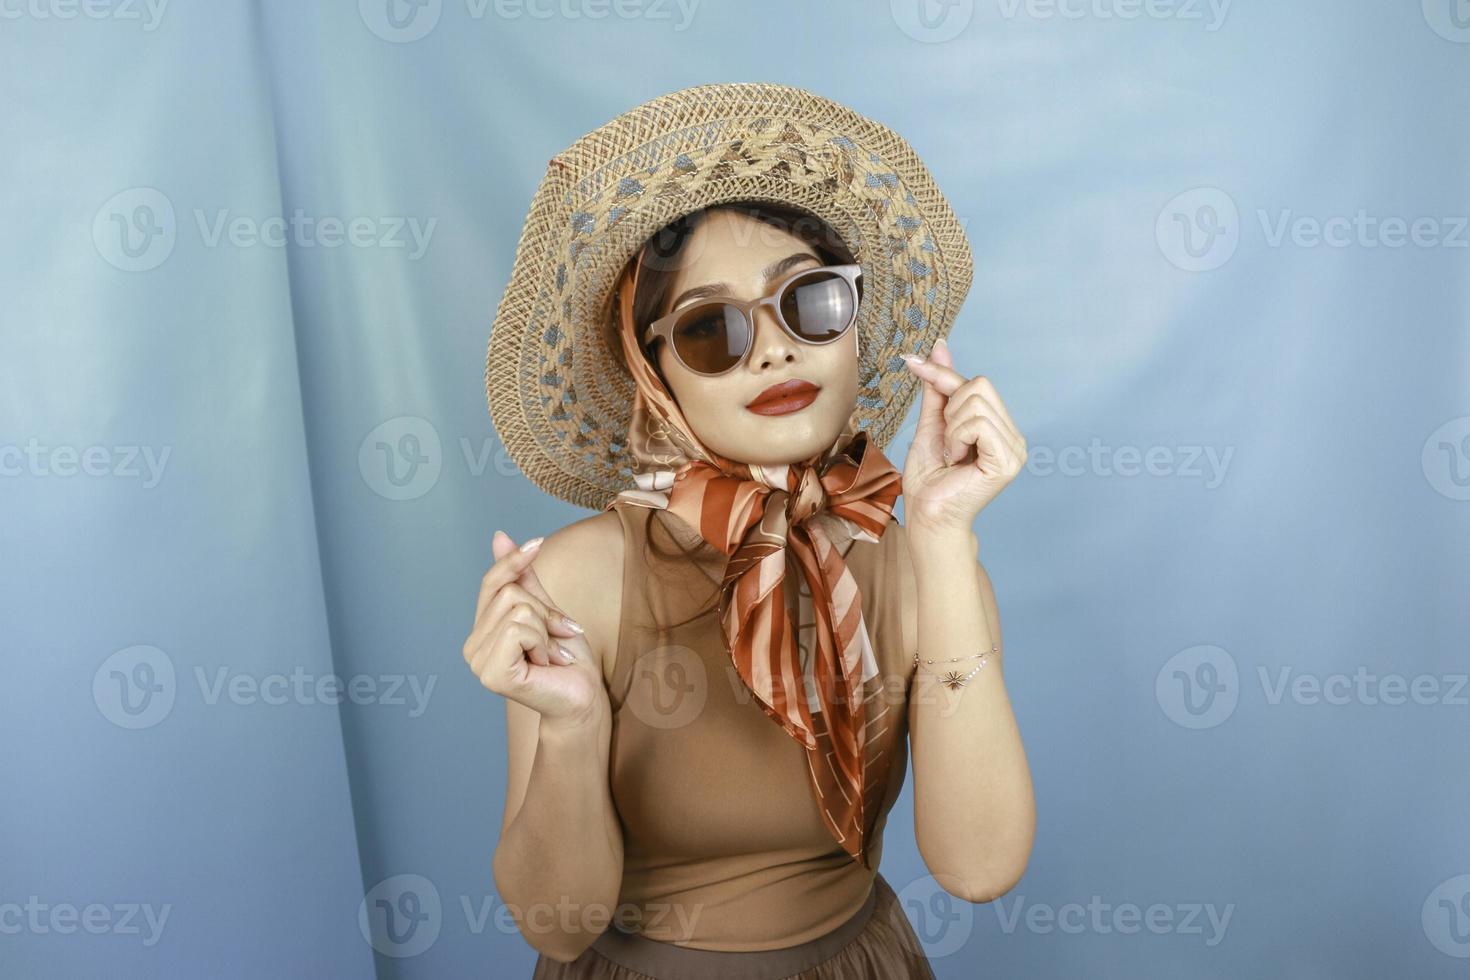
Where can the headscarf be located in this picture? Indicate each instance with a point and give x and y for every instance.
(760, 517)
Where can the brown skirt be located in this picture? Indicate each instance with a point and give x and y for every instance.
(877, 943)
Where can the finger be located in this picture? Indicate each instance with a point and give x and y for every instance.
(941, 354)
(931, 408)
(505, 655)
(539, 652)
(510, 561)
(993, 452)
(555, 618)
(977, 405)
(946, 379)
(982, 386)
(514, 594)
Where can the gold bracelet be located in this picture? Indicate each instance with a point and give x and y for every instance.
(953, 679)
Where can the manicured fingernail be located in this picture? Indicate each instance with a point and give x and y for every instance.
(532, 545)
(572, 623)
(941, 342)
(913, 358)
(566, 655)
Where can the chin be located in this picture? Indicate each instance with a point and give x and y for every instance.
(773, 440)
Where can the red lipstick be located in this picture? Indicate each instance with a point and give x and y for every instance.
(784, 398)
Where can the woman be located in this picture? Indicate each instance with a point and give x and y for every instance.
(711, 685)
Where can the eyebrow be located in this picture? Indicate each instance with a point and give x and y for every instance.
(772, 271)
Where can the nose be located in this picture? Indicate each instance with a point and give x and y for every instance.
(772, 345)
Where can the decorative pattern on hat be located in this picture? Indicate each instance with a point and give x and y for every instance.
(559, 397)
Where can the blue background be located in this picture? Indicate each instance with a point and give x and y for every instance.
(332, 480)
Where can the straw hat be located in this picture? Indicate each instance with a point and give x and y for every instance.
(560, 399)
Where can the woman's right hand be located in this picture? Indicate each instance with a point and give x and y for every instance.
(515, 646)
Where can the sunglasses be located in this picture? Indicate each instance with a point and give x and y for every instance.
(715, 335)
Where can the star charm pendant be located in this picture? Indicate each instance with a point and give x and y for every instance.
(953, 681)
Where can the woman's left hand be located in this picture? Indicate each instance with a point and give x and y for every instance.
(966, 449)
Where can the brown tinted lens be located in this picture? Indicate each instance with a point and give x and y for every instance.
(818, 306)
(710, 337)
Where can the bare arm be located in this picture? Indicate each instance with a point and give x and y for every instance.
(974, 810)
(558, 864)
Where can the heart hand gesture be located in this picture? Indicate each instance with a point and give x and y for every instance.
(966, 449)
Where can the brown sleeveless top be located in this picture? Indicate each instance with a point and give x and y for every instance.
(723, 845)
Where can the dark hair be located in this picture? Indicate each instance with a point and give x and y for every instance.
(662, 260)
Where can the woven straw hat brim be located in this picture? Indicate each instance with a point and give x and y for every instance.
(561, 400)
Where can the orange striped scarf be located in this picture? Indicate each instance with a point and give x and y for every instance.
(759, 516)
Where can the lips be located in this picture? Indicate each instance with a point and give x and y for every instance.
(788, 396)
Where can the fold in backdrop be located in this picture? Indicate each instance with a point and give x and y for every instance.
(248, 481)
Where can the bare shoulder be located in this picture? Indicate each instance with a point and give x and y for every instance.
(581, 567)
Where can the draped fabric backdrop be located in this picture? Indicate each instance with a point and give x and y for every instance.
(248, 481)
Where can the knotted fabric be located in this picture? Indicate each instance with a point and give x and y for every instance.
(760, 517)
